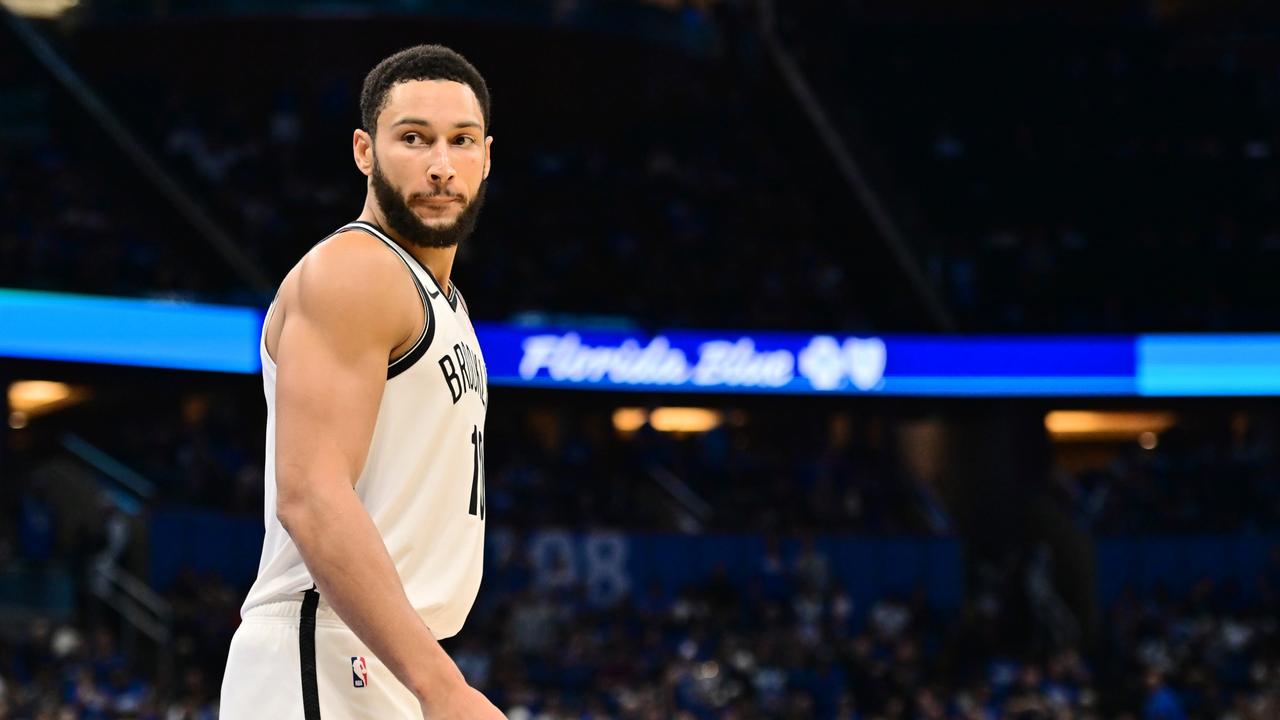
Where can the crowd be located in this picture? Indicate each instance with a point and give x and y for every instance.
(756, 471)
(797, 648)
(789, 644)
(79, 217)
(759, 469)
(687, 179)
(805, 651)
(1105, 181)
(1092, 185)
(1085, 176)
(82, 670)
(552, 466)
(1205, 480)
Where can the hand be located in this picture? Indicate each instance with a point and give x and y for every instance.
(463, 703)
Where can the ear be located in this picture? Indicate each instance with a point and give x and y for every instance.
(488, 149)
(362, 150)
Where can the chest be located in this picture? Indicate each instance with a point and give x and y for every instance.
(454, 363)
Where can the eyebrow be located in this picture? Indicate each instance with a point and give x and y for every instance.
(420, 121)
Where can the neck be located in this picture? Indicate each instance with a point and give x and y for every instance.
(437, 261)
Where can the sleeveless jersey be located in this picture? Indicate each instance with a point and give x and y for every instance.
(423, 481)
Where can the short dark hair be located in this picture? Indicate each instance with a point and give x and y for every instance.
(420, 62)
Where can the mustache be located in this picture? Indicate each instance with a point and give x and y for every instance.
(452, 194)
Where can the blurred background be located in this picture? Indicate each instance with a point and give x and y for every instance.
(850, 359)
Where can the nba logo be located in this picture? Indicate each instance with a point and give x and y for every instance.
(359, 672)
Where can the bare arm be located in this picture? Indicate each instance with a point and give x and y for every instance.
(345, 310)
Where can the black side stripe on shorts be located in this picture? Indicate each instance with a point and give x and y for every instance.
(307, 655)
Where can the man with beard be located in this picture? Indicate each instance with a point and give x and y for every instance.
(376, 395)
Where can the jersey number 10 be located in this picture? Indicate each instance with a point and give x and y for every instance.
(477, 473)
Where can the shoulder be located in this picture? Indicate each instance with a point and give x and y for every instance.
(351, 261)
(353, 279)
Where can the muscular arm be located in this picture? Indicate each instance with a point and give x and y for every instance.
(344, 311)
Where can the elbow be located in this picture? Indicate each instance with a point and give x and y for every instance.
(303, 508)
(287, 516)
(293, 496)
(293, 514)
(305, 501)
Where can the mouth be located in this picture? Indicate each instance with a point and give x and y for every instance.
(438, 201)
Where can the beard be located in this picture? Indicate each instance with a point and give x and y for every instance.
(402, 220)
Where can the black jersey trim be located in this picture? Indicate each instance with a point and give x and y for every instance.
(406, 361)
(451, 296)
(415, 353)
(307, 655)
(462, 302)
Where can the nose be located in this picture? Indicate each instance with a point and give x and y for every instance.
(441, 169)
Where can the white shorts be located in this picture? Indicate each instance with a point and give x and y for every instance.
(295, 660)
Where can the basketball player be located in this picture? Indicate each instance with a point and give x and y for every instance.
(376, 395)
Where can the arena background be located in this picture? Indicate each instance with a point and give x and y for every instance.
(859, 360)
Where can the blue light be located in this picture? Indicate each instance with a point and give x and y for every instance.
(186, 336)
(796, 364)
(1208, 365)
(119, 331)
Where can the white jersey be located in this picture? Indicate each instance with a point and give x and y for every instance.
(423, 481)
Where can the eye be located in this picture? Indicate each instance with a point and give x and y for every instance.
(464, 140)
(411, 137)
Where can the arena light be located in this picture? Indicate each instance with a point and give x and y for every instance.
(29, 396)
(33, 398)
(685, 419)
(629, 420)
(40, 9)
(667, 419)
(1086, 425)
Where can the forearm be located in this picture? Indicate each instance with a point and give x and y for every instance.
(354, 573)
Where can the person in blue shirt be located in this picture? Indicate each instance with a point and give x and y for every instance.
(1162, 702)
